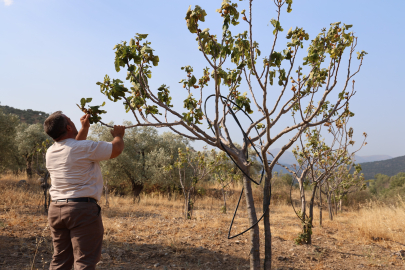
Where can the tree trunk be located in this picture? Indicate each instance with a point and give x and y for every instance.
(136, 190)
(311, 217)
(340, 205)
(188, 206)
(45, 201)
(29, 167)
(303, 202)
(305, 228)
(254, 232)
(320, 207)
(329, 206)
(266, 221)
(335, 205)
(224, 195)
(45, 187)
(169, 193)
(106, 192)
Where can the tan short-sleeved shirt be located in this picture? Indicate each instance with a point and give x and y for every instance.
(74, 168)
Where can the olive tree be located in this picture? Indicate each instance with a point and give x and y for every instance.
(42, 172)
(8, 149)
(28, 139)
(267, 80)
(143, 160)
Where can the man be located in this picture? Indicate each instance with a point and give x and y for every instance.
(74, 215)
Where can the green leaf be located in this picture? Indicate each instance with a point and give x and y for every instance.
(155, 60)
(192, 81)
(242, 65)
(289, 3)
(137, 59)
(141, 36)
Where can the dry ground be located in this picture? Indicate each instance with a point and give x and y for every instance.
(152, 234)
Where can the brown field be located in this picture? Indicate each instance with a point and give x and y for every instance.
(153, 234)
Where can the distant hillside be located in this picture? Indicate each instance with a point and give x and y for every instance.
(364, 159)
(388, 167)
(288, 157)
(26, 116)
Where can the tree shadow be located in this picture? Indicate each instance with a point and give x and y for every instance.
(18, 253)
(132, 214)
(21, 252)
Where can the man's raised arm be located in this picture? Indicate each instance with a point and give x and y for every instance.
(84, 130)
(118, 141)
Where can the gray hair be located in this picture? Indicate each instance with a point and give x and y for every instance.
(55, 125)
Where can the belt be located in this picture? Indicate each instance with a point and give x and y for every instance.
(84, 199)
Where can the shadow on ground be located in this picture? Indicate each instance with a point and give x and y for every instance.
(18, 253)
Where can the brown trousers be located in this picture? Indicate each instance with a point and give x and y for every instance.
(77, 232)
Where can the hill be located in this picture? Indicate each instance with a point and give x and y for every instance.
(388, 167)
(288, 157)
(364, 159)
(26, 116)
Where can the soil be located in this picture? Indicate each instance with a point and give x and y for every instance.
(157, 239)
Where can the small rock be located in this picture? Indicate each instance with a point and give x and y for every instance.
(281, 258)
(156, 265)
(105, 256)
(103, 251)
(166, 254)
(237, 242)
(360, 266)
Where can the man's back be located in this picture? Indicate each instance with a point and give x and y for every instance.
(74, 168)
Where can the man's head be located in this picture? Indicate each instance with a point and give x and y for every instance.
(58, 126)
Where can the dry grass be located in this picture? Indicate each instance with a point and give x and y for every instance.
(158, 222)
(379, 221)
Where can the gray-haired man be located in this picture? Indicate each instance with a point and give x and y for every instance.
(74, 215)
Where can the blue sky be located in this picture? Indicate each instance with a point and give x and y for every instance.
(52, 52)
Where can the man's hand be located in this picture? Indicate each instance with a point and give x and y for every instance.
(118, 131)
(85, 121)
(118, 142)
